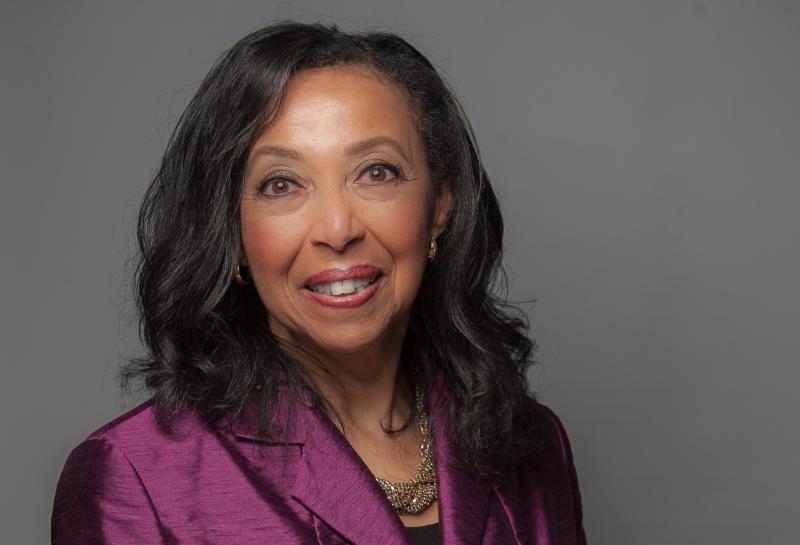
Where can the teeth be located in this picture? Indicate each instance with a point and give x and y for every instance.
(345, 287)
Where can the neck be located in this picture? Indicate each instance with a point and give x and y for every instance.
(365, 389)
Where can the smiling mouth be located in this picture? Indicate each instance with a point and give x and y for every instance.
(344, 288)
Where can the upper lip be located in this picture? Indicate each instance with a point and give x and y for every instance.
(337, 275)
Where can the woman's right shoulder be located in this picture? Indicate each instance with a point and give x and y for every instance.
(140, 423)
(103, 486)
(137, 419)
(115, 477)
(137, 436)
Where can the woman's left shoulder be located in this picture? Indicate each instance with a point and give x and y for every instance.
(553, 438)
(545, 480)
(550, 424)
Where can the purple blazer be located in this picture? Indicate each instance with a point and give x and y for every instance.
(129, 483)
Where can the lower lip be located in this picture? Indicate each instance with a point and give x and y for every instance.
(346, 301)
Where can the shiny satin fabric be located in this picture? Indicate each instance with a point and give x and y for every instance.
(129, 483)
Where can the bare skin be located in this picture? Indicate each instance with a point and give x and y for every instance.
(311, 203)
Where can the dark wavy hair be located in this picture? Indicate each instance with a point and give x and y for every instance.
(208, 345)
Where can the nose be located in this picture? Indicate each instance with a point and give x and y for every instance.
(337, 222)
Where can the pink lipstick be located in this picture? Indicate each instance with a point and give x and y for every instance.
(344, 288)
(337, 275)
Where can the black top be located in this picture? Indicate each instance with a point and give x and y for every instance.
(425, 535)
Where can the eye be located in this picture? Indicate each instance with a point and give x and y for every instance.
(275, 188)
(378, 173)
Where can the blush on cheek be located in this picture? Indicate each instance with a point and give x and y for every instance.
(271, 245)
(402, 226)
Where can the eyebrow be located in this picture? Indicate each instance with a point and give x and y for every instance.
(370, 143)
(353, 149)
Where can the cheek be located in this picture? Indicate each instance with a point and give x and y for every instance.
(271, 244)
(403, 230)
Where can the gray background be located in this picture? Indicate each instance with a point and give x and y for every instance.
(647, 158)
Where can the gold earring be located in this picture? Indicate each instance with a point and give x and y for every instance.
(237, 275)
(432, 249)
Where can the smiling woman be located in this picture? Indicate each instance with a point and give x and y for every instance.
(353, 183)
(328, 359)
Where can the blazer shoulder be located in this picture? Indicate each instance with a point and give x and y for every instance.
(135, 417)
(139, 426)
(554, 437)
(562, 459)
(548, 418)
(100, 497)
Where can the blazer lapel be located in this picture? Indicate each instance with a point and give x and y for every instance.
(337, 487)
(331, 481)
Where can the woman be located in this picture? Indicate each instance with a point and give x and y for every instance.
(327, 360)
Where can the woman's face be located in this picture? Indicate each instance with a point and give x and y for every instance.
(337, 212)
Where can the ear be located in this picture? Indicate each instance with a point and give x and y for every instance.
(443, 204)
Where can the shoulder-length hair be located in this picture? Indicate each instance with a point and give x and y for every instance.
(207, 340)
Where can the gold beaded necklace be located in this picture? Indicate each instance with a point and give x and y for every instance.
(417, 493)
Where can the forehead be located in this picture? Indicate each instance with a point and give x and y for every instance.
(323, 107)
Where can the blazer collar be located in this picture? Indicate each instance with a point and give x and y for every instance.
(294, 415)
(335, 484)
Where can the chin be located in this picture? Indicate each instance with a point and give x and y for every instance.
(346, 343)
(376, 333)
(344, 338)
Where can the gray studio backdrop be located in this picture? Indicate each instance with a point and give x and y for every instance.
(647, 158)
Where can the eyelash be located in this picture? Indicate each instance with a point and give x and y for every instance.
(394, 169)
